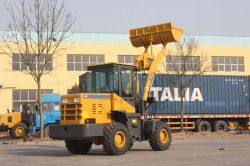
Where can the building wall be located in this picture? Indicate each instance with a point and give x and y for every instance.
(111, 45)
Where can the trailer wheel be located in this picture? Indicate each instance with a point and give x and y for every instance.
(203, 126)
(78, 147)
(233, 125)
(220, 126)
(116, 139)
(160, 139)
(19, 130)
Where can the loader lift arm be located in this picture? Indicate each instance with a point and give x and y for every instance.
(149, 36)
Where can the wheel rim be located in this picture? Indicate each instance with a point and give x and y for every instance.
(120, 139)
(163, 136)
(19, 131)
(204, 128)
(221, 128)
(232, 125)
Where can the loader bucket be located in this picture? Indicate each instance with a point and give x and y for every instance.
(157, 34)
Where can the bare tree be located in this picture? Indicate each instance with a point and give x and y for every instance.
(36, 30)
(185, 65)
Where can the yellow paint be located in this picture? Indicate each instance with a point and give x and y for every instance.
(156, 34)
(16, 118)
(149, 36)
(119, 139)
(117, 103)
(248, 125)
(96, 105)
(19, 131)
(232, 125)
(163, 136)
(92, 105)
(134, 121)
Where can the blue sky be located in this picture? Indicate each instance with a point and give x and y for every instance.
(196, 17)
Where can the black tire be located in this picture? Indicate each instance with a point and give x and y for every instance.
(46, 131)
(220, 126)
(110, 133)
(78, 147)
(203, 126)
(19, 130)
(155, 140)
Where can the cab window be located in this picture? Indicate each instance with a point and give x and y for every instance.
(106, 81)
(47, 107)
(57, 106)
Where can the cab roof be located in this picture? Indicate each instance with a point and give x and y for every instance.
(111, 64)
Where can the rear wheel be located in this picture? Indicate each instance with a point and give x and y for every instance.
(19, 130)
(116, 139)
(220, 126)
(160, 139)
(203, 126)
(78, 147)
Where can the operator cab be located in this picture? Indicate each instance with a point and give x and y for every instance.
(110, 78)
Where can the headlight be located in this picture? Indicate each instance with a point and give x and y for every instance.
(76, 100)
(64, 101)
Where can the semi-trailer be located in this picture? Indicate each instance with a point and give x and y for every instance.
(211, 102)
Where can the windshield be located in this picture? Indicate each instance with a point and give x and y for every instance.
(46, 106)
(106, 81)
(101, 82)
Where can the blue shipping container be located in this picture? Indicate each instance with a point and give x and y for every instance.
(207, 94)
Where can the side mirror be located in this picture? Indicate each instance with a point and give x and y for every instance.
(151, 100)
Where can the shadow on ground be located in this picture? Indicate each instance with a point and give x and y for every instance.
(55, 151)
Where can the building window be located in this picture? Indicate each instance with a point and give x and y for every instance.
(130, 59)
(79, 62)
(228, 64)
(25, 62)
(25, 99)
(180, 63)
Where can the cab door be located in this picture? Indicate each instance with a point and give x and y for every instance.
(51, 112)
(127, 85)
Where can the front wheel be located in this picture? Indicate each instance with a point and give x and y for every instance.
(160, 139)
(19, 130)
(116, 139)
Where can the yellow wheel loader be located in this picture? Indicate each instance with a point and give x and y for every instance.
(16, 123)
(111, 112)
